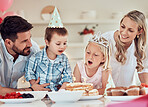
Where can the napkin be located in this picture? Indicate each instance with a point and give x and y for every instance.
(110, 84)
(139, 102)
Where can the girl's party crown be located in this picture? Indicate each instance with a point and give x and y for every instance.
(55, 21)
(99, 40)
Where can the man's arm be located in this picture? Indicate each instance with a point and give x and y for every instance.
(35, 87)
(5, 90)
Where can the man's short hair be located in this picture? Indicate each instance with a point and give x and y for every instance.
(12, 25)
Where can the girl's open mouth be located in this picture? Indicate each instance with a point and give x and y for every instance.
(90, 62)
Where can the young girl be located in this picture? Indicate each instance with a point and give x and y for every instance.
(50, 64)
(95, 67)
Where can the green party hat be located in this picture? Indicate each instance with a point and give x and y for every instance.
(55, 21)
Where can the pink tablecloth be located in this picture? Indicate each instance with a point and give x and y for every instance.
(139, 102)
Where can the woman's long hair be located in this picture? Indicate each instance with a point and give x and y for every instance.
(140, 40)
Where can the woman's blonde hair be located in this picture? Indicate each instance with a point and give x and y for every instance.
(140, 40)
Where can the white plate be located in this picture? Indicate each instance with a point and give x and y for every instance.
(90, 97)
(23, 100)
(121, 98)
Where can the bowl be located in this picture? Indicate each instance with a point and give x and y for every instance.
(37, 94)
(65, 96)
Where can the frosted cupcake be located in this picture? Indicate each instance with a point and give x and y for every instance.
(108, 91)
(133, 91)
(142, 90)
(118, 91)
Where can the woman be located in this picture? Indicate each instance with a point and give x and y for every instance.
(128, 48)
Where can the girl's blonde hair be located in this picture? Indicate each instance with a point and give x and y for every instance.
(140, 40)
(105, 49)
(106, 54)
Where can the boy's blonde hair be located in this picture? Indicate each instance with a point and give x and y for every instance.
(140, 40)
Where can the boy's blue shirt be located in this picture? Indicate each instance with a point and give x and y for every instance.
(56, 73)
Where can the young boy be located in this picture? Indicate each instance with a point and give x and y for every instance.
(50, 64)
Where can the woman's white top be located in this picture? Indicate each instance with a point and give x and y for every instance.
(123, 74)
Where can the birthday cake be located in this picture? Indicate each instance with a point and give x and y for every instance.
(79, 86)
(87, 87)
(93, 92)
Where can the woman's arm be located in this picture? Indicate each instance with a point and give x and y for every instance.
(77, 74)
(4, 90)
(35, 87)
(143, 77)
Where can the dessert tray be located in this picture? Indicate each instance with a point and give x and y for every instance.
(121, 98)
(23, 100)
(90, 97)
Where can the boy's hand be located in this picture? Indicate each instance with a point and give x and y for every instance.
(58, 86)
(38, 87)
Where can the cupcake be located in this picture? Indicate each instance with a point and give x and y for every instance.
(133, 91)
(118, 91)
(142, 90)
(108, 91)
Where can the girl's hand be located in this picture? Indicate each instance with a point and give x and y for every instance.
(101, 91)
(105, 76)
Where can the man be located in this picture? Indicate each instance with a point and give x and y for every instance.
(16, 47)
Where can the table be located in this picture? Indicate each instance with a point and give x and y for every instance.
(46, 102)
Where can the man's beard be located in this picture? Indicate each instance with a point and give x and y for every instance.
(17, 51)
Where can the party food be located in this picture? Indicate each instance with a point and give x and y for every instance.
(16, 95)
(144, 85)
(126, 91)
(133, 91)
(87, 87)
(79, 86)
(93, 92)
(119, 91)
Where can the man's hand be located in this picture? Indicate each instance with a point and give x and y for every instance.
(38, 87)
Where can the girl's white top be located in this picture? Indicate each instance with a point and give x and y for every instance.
(96, 79)
(123, 74)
